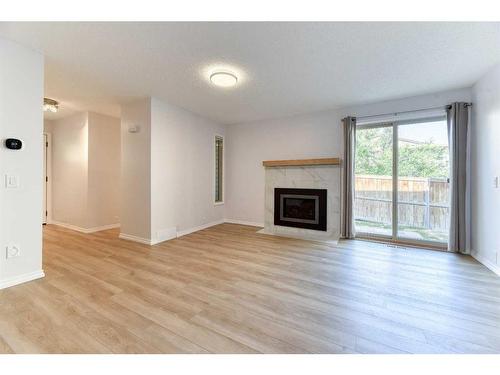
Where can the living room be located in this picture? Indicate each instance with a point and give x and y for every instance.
(249, 187)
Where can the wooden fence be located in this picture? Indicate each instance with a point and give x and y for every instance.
(423, 202)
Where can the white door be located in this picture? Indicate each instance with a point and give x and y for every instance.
(44, 206)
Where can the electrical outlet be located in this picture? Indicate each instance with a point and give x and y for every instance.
(11, 181)
(13, 251)
(166, 234)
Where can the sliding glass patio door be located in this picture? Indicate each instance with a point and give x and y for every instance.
(374, 182)
(402, 181)
(423, 181)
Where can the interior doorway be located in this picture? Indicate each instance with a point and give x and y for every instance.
(402, 181)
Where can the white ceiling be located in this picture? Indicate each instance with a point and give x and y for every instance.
(284, 68)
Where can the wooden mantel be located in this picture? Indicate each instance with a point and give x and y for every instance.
(301, 162)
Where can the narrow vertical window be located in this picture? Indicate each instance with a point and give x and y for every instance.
(219, 157)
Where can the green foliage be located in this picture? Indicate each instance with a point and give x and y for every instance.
(423, 160)
(374, 155)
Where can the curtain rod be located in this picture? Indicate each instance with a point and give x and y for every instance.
(415, 110)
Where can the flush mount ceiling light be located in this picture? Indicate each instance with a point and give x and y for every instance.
(223, 79)
(50, 105)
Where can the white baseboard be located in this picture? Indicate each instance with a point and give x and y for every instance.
(487, 263)
(200, 227)
(165, 234)
(85, 230)
(129, 237)
(5, 283)
(181, 233)
(242, 222)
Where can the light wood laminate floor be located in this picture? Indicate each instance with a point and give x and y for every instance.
(227, 289)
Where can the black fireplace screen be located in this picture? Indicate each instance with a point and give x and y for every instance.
(300, 208)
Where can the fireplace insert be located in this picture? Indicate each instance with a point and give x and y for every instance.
(300, 208)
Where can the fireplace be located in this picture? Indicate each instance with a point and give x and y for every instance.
(300, 208)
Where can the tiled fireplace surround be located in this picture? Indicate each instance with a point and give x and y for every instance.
(304, 177)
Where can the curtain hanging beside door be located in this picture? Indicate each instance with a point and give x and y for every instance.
(458, 122)
(347, 219)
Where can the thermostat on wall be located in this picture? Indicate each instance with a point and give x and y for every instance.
(13, 144)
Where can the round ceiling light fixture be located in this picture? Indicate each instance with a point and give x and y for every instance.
(50, 105)
(223, 79)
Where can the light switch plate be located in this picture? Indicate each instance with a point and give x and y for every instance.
(13, 251)
(11, 181)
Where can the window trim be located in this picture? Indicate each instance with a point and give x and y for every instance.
(221, 202)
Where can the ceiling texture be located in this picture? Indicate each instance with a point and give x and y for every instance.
(283, 68)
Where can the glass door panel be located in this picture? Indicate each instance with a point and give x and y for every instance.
(423, 186)
(373, 170)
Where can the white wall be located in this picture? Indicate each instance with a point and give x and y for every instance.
(167, 171)
(21, 98)
(182, 171)
(103, 203)
(69, 169)
(298, 137)
(247, 145)
(135, 207)
(408, 104)
(85, 170)
(485, 165)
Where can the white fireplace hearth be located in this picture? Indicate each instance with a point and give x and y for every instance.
(324, 174)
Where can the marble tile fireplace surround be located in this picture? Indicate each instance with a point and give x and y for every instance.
(300, 210)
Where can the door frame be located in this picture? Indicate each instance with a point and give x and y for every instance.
(48, 177)
(394, 237)
(395, 187)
